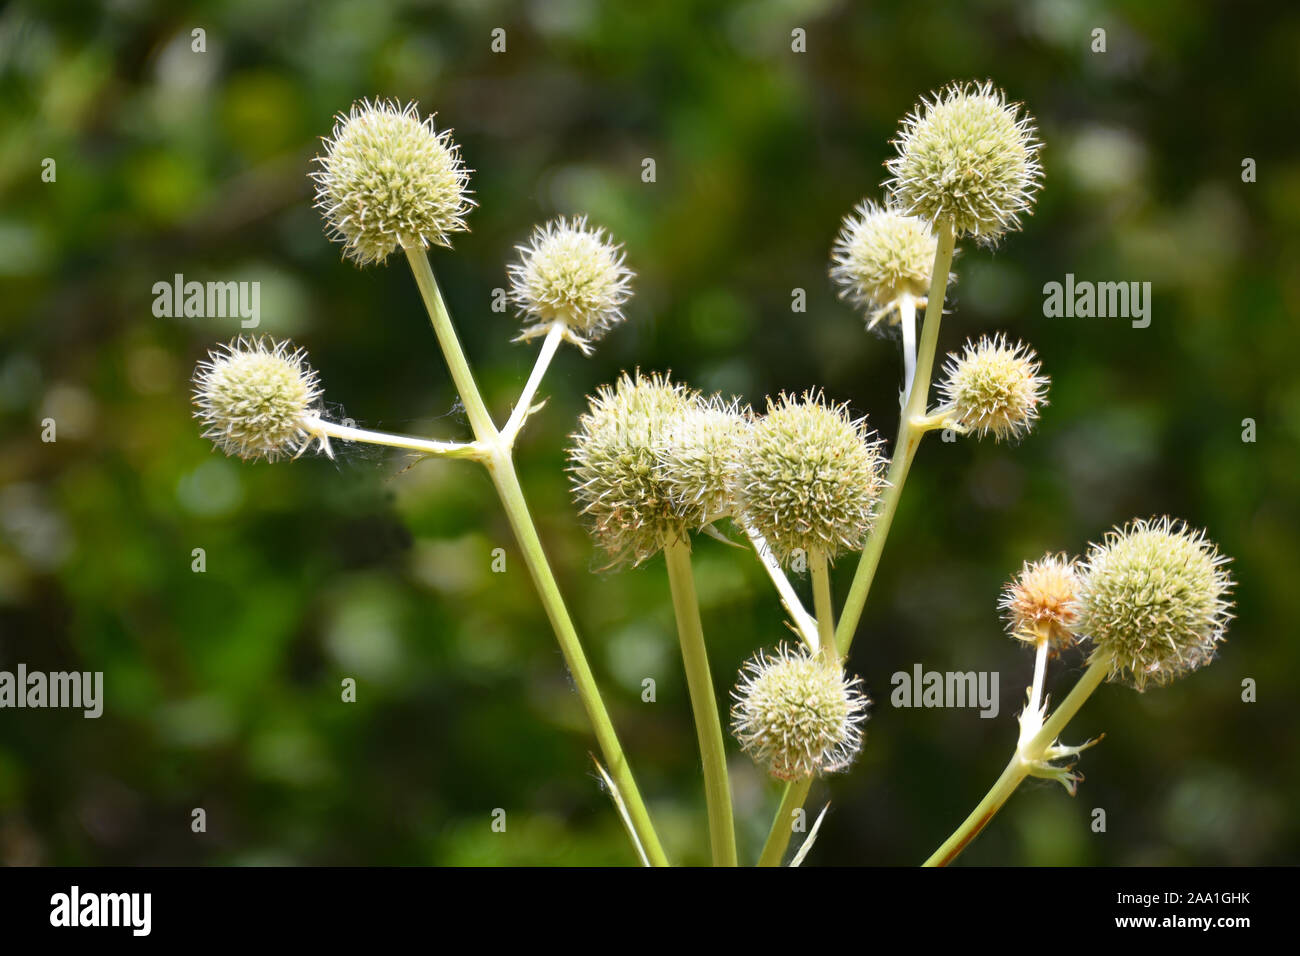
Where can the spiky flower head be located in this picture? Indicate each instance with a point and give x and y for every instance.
(570, 274)
(1154, 600)
(797, 715)
(967, 157)
(1041, 603)
(808, 477)
(994, 387)
(388, 179)
(879, 257)
(256, 398)
(615, 463)
(698, 457)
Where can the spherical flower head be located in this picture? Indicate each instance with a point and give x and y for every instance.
(994, 388)
(256, 398)
(879, 257)
(615, 466)
(1154, 600)
(796, 715)
(388, 179)
(967, 157)
(570, 274)
(808, 477)
(697, 459)
(1040, 604)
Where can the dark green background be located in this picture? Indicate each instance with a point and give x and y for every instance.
(223, 687)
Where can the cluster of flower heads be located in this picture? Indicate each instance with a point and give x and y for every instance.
(1153, 599)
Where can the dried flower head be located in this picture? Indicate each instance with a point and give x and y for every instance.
(1154, 600)
(796, 715)
(808, 477)
(698, 458)
(571, 274)
(1040, 604)
(879, 257)
(994, 388)
(389, 179)
(616, 466)
(255, 398)
(968, 157)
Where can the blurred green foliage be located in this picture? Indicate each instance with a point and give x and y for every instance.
(223, 688)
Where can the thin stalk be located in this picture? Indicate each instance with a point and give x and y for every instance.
(1032, 721)
(821, 585)
(803, 621)
(778, 838)
(907, 321)
(446, 449)
(524, 405)
(708, 727)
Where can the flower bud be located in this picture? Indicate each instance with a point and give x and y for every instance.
(697, 460)
(994, 388)
(388, 179)
(969, 158)
(879, 257)
(1154, 600)
(573, 275)
(1040, 605)
(797, 715)
(808, 477)
(255, 397)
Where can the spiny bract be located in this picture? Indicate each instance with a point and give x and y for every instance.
(1041, 603)
(571, 274)
(388, 179)
(1154, 600)
(255, 396)
(879, 257)
(796, 715)
(808, 477)
(994, 388)
(966, 157)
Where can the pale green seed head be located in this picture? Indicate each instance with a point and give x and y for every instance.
(571, 274)
(994, 387)
(879, 257)
(968, 157)
(1154, 600)
(697, 460)
(808, 476)
(254, 398)
(388, 179)
(796, 716)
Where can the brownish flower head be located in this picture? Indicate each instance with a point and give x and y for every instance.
(1041, 603)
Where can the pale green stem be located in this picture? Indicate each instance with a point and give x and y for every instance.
(821, 586)
(803, 621)
(778, 838)
(445, 449)
(552, 342)
(1019, 767)
(1032, 721)
(907, 322)
(708, 727)
(500, 465)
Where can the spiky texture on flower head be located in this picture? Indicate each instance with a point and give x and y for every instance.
(796, 715)
(254, 397)
(698, 458)
(571, 274)
(880, 256)
(1040, 604)
(967, 156)
(808, 477)
(994, 387)
(615, 465)
(388, 179)
(1154, 600)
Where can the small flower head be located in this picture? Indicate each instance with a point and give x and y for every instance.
(389, 180)
(698, 458)
(969, 158)
(808, 477)
(256, 397)
(1154, 600)
(994, 388)
(615, 466)
(879, 257)
(796, 715)
(1040, 604)
(571, 274)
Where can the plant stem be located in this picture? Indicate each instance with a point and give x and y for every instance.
(500, 466)
(690, 632)
(907, 322)
(522, 407)
(1019, 767)
(444, 449)
(803, 621)
(821, 585)
(778, 838)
